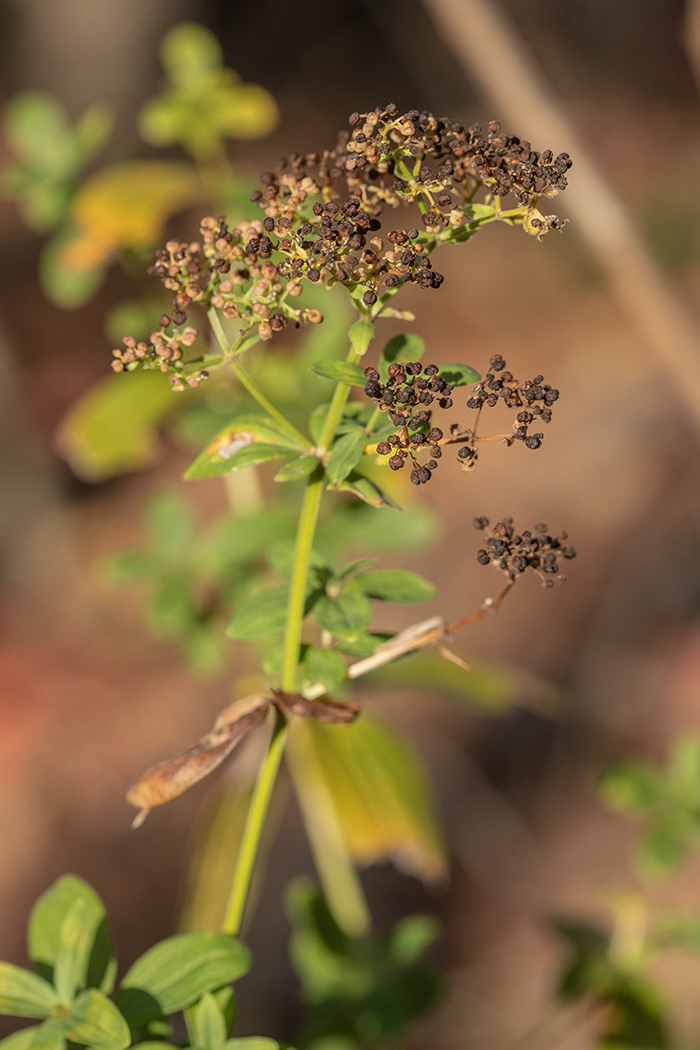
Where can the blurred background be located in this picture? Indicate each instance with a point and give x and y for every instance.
(607, 666)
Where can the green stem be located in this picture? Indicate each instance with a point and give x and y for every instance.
(297, 587)
(252, 832)
(249, 383)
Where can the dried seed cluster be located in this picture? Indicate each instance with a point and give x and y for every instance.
(408, 391)
(534, 397)
(515, 553)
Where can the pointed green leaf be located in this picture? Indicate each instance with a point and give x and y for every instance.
(365, 489)
(396, 585)
(361, 335)
(402, 348)
(23, 994)
(299, 467)
(96, 1022)
(21, 1040)
(179, 970)
(345, 454)
(97, 965)
(339, 372)
(51, 1035)
(74, 945)
(458, 375)
(324, 666)
(234, 447)
(206, 1024)
(346, 616)
(260, 614)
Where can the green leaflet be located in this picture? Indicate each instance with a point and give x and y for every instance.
(206, 1024)
(324, 666)
(297, 468)
(96, 1022)
(95, 965)
(23, 994)
(21, 1040)
(365, 489)
(244, 442)
(361, 335)
(458, 375)
(260, 614)
(345, 454)
(177, 971)
(346, 616)
(339, 372)
(362, 646)
(402, 348)
(396, 585)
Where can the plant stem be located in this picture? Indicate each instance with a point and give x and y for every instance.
(297, 587)
(252, 832)
(249, 383)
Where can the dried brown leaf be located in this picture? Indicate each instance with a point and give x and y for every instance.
(323, 709)
(170, 778)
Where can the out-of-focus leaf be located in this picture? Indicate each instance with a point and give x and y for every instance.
(339, 372)
(113, 428)
(51, 1035)
(260, 614)
(23, 994)
(630, 786)
(247, 440)
(458, 375)
(345, 454)
(365, 489)
(175, 972)
(346, 616)
(491, 688)
(361, 335)
(280, 557)
(204, 103)
(381, 795)
(170, 778)
(396, 585)
(95, 964)
(64, 284)
(95, 1021)
(402, 348)
(125, 205)
(254, 1042)
(412, 936)
(21, 1040)
(170, 522)
(325, 666)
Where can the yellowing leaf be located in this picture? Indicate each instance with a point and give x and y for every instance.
(112, 428)
(126, 205)
(380, 792)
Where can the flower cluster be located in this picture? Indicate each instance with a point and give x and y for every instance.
(534, 398)
(515, 553)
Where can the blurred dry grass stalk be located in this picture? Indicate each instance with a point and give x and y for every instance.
(491, 53)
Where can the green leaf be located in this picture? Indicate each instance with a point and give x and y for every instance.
(260, 615)
(365, 489)
(345, 454)
(297, 468)
(37, 130)
(324, 666)
(188, 52)
(206, 1024)
(346, 616)
(402, 348)
(396, 585)
(458, 375)
(412, 936)
(95, 1021)
(280, 557)
(21, 1040)
(66, 286)
(254, 1042)
(179, 970)
(114, 427)
(361, 335)
(247, 440)
(381, 795)
(317, 420)
(95, 966)
(51, 1035)
(363, 645)
(74, 945)
(630, 786)
(339, 372)
(170, 522)
(23, 994)
(351, 569)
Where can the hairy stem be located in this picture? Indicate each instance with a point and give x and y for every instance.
(254, 824)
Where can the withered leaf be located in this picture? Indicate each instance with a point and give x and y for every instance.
(170, 778)
(322, 709)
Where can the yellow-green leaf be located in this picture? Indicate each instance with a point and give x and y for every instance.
(96, 1022)
(113, 428)
(224, 453)
(23, 994)
(381, 794)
